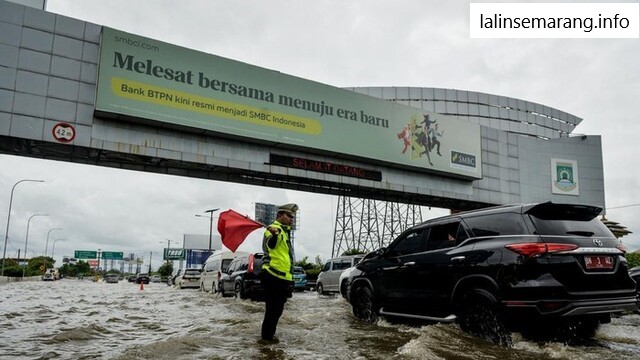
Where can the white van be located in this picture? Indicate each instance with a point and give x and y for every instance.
(216, 264)
(329, 277)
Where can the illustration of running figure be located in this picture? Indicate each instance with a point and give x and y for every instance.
(405, 135)
(434, 135)
(427, 130)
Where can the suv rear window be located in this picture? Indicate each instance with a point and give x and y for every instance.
(554, 219)
(497, 224)
(587, 228)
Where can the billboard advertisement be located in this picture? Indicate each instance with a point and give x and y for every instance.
(197, 241)
(196, 258)
(142, 78)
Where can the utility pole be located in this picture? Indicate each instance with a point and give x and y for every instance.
(211, 211)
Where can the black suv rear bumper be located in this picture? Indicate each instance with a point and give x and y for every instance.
(571, 308)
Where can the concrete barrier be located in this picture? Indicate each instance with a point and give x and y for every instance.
(10, 279)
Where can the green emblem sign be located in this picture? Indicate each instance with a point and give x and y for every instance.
(564, 177)
(174, 254)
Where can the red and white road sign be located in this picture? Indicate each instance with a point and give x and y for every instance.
(64, 132)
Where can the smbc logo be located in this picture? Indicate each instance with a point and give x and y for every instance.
(174, 254)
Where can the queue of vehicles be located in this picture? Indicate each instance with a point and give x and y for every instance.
(542, 269)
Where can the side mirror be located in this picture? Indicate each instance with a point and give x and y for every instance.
(381, 251)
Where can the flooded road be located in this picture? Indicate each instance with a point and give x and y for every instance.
(80, 319)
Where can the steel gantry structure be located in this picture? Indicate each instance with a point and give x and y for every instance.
(365, 225)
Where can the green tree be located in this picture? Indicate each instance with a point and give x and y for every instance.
(633, 259)
(37, 265)
(73, 270)
(166, 269)
(312, 270)
(304, 263)
(12, 268)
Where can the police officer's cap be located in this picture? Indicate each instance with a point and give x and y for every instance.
(290, 209)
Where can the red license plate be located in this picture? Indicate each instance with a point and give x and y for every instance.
(598, 262)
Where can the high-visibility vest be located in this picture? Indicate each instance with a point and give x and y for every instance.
(279, 264)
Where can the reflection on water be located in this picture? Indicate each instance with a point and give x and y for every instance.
(77, 319)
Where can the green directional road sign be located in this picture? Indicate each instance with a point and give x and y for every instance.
(84, 254)
(111, 255)
(174, 254)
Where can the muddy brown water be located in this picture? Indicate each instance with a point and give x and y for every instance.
(81, 319)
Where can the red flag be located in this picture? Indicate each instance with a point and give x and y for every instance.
(234, 228)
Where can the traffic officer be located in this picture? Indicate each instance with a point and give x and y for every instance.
(277, 268)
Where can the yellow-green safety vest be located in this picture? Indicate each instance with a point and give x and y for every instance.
(280, 256)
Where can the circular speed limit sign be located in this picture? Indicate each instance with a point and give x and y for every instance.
(63, 132)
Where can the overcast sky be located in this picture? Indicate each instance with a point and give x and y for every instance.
(341, 43)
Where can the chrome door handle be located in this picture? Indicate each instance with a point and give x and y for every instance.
(458, 258)
(410, 263)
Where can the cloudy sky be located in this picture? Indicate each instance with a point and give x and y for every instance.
(422, 43)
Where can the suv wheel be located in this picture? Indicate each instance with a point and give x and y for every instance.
(478, 315)
(239, 291)
(363, 305)
(343, 289)
(320, 289)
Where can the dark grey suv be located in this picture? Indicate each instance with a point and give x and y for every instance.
(539, 269)
(242, 278)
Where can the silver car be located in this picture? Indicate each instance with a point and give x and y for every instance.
(112, 278)
(189, 278)
(329, 278)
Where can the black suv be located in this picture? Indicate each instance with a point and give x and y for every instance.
(142, 278)
(500, 269)
(242, 277)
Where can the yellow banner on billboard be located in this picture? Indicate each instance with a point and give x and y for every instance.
(144, 92)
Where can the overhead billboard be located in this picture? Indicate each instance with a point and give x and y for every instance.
(142, 78)
(197, 241)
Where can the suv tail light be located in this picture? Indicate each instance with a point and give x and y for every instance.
(250, 266)
(537, 249)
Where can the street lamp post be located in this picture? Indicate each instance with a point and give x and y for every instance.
(46, 247)
(168, 247)
(211, 225)
(6, 233)
(26, 240)
(53, 248)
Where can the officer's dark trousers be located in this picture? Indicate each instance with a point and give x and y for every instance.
(276, 292)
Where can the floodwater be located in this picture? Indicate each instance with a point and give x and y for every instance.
(81, 319)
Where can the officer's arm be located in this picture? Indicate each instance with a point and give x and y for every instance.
(271, 238)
